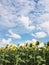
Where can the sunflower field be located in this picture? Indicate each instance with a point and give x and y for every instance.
(29, 54)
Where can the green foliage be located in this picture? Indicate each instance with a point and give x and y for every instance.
(28, 54)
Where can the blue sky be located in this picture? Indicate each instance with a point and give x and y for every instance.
(22, 20)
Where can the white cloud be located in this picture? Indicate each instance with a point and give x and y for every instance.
(22, 44)
(6, 17)
(43, 22)
(27, 7)
(13, 35)
(45, 26)
(44, 17)
(34, 40)
(4, 42)
(29, 12)
(9, 13)
(23, 0)
(40, 34)
(27, 22)
(45, 3)
(41, 44)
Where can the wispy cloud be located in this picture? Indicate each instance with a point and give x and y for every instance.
(13, 35)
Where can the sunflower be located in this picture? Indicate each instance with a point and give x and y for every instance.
(37, 43)
(48, 43)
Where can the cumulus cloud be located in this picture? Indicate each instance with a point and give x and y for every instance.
(45, 26)
(34, 40)
(41, 44)
(40, 34)
(4, 42)
(27, 22)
